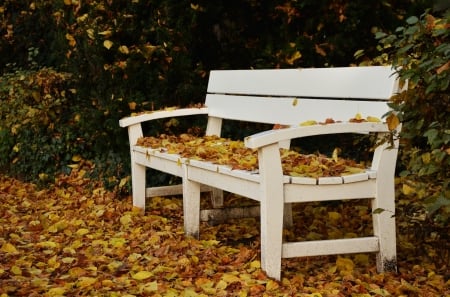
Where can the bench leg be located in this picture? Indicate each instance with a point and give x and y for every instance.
(191, 207)
(288, 220)
(217, 198)
(271, 236)
(272, 210)
(384, 225)
(138, 185)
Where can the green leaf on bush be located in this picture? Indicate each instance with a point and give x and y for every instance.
(412, 20)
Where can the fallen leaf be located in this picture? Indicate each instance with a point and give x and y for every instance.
(141, 275)
(308, 123)
(85, 281)
(9, 248)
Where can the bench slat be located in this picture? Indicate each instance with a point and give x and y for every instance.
(326, 247)
(314, 193)
(289, 110)
(330, 180)
(374, 82)
(357, 177)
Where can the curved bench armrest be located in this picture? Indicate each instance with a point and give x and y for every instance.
(160, 114)
(278, 135)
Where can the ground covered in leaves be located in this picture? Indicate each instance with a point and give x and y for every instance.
(77, 239)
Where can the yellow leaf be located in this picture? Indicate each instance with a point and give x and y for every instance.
(334, 216)
(90, 33)
(76, 158)
(255, 264)
(106, 33)
(141, 275)
(362, 259)
(114, 265)
(426, 158)
(117, 242)
(16, 270)
(68, 260)
(85, 281)
(82, 231)
(230, 278)
(55, 292)
(53, 262)
(272, 285)
(295, 56)
(58, 226)
(124, 49)
(221, 285)
(335, 154)
(71, 39)
(47, 244)
(82, 18)
(150, 287)
(392, 121)
(407, 189)
(373, 119)
(108, 44)
(308, 123)
(344, 264)
(77, 272)
(9, 248)
(43, 176)
(125, 219)
(123, 181)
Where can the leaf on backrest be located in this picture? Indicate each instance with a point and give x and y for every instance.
(392, 121)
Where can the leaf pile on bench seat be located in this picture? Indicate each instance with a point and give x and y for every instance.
(224, 151)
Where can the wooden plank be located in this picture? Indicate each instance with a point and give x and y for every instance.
(313, 193)
(357, 177)
(378, 82)
(223, 214)
(172, 190)
(330, 247)
(230, 183)
(294, 110)
(160, 163)
(330, 180)
(303, 180)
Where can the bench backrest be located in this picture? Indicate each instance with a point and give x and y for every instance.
(292, 96)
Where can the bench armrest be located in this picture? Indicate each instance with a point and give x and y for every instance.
(160, 114)
(275, 136)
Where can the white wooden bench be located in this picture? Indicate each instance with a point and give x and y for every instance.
(287, 97)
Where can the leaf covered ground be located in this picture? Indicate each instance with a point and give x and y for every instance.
(77, 239)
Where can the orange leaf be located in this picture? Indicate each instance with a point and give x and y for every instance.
(392, 121)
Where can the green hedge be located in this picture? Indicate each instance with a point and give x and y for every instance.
(421, 48)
